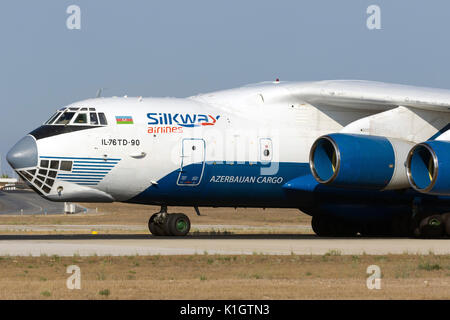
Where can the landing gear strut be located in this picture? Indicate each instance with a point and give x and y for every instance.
(169, 224)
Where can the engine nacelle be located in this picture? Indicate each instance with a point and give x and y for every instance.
(360, 161)
(428, 167)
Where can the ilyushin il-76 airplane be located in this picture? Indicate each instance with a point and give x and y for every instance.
(360, 157)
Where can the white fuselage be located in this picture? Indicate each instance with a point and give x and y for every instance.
(235, 147)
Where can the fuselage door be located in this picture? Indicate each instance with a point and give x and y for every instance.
(192, 162)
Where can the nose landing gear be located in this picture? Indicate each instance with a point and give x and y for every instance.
(169, 224)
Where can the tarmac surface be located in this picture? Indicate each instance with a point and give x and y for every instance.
(270, 244)
(298, 229)
(27, 202)
(132, 241)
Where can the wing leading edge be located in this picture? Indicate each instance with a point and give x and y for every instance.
(371, 95)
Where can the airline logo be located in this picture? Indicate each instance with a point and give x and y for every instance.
(175, 122)
(124, 119)
(187, 120)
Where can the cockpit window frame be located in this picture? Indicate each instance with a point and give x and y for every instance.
(102, 119)
(80, 115)
(68, 122)
(93, 117)
(54, 117)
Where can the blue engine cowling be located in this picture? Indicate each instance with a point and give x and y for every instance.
(428, 167)
(360, 161)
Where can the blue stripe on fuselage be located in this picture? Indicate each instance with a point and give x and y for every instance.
(227, 185)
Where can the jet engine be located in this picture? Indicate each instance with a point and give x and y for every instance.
(428, 167)
(360, 161)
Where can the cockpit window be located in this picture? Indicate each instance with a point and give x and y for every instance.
(53, 118)
(102, 117)
(65, 118)
(81, 119)
(93, 117)
(78, 116)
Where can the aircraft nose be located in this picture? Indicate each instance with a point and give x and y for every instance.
(24, 154)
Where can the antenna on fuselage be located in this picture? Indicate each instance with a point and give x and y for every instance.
(99, 92)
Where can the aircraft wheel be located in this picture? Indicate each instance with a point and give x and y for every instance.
(321, 226)
(432, 226)
(343, 229)
(178, 224)
(156, 229)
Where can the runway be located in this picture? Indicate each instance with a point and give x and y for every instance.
(87, 228)
(125, 244)
(291, 240)
(13, 202)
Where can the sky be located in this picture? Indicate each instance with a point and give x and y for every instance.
(181, 48)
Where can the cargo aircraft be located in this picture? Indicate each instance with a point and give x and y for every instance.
(362, 158)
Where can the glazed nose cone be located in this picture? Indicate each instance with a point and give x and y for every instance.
(24, 154)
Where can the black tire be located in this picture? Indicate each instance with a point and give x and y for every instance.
(342, 229)
(178, 224)
(156, 229)
(321, 226)
(432, 226)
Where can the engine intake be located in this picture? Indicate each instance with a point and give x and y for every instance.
(428, 167)
(360, 161)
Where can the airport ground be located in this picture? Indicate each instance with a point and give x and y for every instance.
(231, 254)
(329, 276)
(138, 215)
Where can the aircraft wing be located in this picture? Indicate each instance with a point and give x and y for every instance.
(350, 94)
(370, 95)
